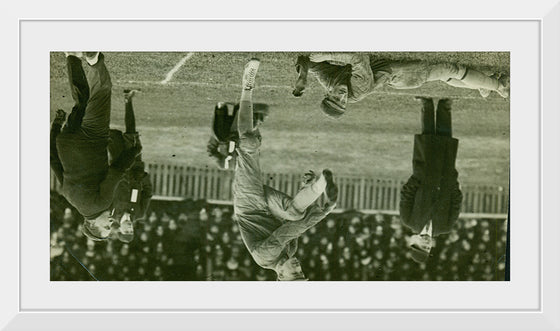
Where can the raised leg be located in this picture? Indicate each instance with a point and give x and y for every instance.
(79, 90)
(97, 116)
(443, 118)
(427, 115)
(245, 121)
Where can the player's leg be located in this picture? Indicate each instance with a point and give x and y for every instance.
(247, 189)
(79, 90)
(97, 116)
(291, 230)
(245, 121)
(443, 118)
(307, 195)
(427, 115)
(260, 113)
(287, 208)
(461, 76)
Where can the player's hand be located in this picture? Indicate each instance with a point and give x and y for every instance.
(309, 177)
(302, 68)
(129, 94)
(319, 57)
(298, 91)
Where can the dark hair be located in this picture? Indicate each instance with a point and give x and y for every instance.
(331, 109)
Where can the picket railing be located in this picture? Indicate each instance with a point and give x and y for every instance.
(178, 181)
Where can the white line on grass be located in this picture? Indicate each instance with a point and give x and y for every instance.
(176, 68)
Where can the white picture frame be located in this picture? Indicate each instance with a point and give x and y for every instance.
(30, 302)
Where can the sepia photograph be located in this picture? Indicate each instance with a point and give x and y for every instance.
(279, 166)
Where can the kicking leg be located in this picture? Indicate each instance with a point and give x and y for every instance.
(79, 89)
(443, 118)
(293, 209)
(427, 115)
(95, 123)
(247, 189)
(309, 193)
(245, 121)
(460, 76)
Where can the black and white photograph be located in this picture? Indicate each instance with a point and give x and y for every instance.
(279, 166)
(262, 166)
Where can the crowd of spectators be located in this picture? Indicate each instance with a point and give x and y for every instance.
(193, 240)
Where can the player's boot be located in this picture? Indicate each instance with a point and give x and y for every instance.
(76, 54)
(423, 100)
(250, 73)
(503, 88)
(486, 92)
(331, 190)
(91, 57)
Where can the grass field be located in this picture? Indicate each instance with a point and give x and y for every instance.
(374, 138)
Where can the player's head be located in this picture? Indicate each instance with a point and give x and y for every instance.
(290, 270)
(420, 247)
(334, 103)
(126, 229)
(98, 228)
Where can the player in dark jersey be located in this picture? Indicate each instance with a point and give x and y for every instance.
(78, 149)
(134, 192)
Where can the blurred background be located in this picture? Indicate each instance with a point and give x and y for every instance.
(195, 240)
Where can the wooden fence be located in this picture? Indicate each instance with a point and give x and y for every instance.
(178, 181)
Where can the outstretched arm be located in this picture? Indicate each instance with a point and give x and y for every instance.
(129, 119)
(302, 68)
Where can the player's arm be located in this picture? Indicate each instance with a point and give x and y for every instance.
(146, 197)
(408, 193)
(56, 126)
(302, 68)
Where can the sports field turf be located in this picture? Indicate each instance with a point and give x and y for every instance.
(374, 138)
